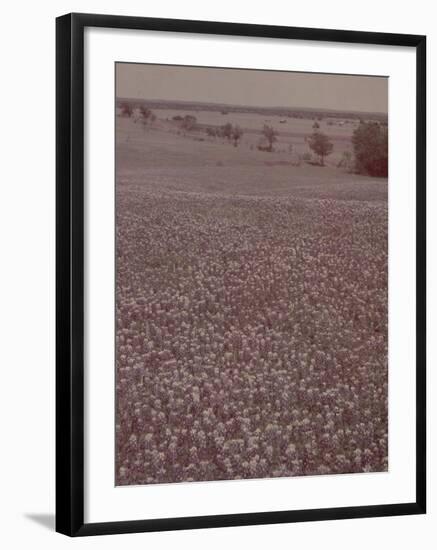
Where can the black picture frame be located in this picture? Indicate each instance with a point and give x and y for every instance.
(70, 273)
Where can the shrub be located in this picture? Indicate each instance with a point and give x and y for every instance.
(237, 134)
(226, 130)
(146, 115)
(126, 110)
(145, 112)
(370, 143)
(271, 136)
(189, 122)
(263, 145)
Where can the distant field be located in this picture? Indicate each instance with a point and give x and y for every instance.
(251, 306)
(292, 132)
(337, 127)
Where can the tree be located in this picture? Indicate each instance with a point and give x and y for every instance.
(237, 134)
(145, 112)
(370, 142)
(189, 122)
(126, 109)
(146, 115)
(226, 130)
(321, 145)
(271, 136)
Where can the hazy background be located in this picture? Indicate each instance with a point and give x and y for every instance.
(252, 87)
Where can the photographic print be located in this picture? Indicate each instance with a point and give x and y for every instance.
(251, 274)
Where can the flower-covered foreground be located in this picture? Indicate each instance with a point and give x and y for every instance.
(251, 335)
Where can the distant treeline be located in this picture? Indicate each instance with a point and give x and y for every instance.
(267, 111)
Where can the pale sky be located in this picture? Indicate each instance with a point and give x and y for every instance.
(252, 88)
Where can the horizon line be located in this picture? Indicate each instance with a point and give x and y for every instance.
(239, 105)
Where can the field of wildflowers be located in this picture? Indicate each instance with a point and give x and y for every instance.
(251, 336)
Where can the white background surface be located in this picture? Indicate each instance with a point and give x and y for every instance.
(104, 502)
(27, 275)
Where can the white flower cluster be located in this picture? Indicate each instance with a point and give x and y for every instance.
(251, 337)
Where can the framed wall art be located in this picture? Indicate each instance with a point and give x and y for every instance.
(240, 274)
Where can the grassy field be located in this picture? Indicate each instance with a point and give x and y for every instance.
(251, 306)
